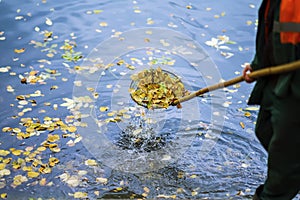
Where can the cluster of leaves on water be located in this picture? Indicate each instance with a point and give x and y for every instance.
(69, 52)
(155, 88)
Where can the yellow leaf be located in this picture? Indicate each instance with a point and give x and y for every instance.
(33, 174)
(242, 125)
(4, 152)
(55, 149)
(102, 180)
(193, 176)
(53, 161)
(72, 129)
(43, 182)
(194, 193)
(7, 160)
(147, 190)
(103, 24)
(3, 195)
(6, 129)
(91, 162)
(4, 172)
(252, 108)
(41, 148)
(103, 108)
(52, 138)
(79, 195)
(247, 114)
(19, 50)
(50, 55)
(97, 11)
(16, 152)
(27, 168)
(2, 166)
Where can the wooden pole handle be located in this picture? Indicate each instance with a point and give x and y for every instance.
(280, 69)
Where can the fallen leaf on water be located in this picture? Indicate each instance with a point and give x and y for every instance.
(18, 180)
(247, 114)
(43, 182)
(19, 50)
(79, 195)
(3, 195)
(53, 138)
(72, 129)
(2, 166)
(91, 162)
(103, 24)
(242, 125)
(97, 11)
(103, 108)
(4, 152)
(102, 180)
(9, 88)
(166, 196)
(4, 172)
(253, 108)
(33, 174)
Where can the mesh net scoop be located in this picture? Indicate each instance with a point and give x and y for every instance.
(156, 88)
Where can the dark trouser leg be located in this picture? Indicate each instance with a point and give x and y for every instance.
(281, 125)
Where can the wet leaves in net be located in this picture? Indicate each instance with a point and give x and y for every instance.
(156, 88)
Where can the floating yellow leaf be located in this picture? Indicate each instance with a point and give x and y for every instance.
(253, 108)
(33, 174)
(247, 114)
(103, 108)
(41, 149)
(2, 166)
(4, 172)
(53, 161)
(72, 129)
(18, 180)
(103, 24)
(43, 182)
(91, 162)
(55, 149)
(147, 190)
(45, 170)
(16, 130)
(79, 195)
(3, 195)
(9, 88)
(7, 160)
(48, 34)
(193, 176)
(52, 138)
(166, 196)
(102, 180)
(27, 168)
(4, 152)
(6, 129)
(194, 193)
(16, 152)
(242, 125)
(97, 11)
(19, 50)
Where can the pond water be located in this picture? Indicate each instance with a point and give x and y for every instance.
(71, 130)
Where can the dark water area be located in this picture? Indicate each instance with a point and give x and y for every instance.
(69, 129)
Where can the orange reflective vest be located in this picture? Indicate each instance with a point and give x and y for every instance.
(289, 22)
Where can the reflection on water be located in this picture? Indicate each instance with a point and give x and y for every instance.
(187, 153)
